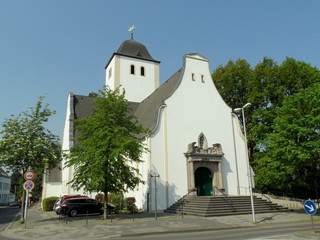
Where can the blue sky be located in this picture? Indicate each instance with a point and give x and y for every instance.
(52, 47)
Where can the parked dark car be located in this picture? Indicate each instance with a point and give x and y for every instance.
(59, 201)
(77, 206)
(65, 197)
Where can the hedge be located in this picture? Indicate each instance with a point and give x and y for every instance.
(47, 203)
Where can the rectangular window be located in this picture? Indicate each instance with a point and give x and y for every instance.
(110, 72)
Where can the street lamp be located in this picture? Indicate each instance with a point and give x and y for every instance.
(247, 156)
(155, 193)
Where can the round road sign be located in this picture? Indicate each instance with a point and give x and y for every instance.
(29, 175)
(28, 185)
(310, 207)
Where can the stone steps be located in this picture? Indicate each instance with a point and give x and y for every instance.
(209, 206)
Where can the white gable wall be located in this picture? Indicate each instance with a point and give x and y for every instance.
(195, 107)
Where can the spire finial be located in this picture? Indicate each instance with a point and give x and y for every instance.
(131, 29)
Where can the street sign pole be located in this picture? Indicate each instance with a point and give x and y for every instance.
(28, 186)
(311, 209)
(25, 209)
(314, 231)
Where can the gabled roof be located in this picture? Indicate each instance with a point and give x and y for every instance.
(82, 106)
(147, 110)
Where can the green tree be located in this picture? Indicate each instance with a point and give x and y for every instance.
(270, 84)
(232, 82)
(106, 152)
(293, 147)
(267, 85)
(26, 144)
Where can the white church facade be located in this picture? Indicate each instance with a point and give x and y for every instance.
(195, 143)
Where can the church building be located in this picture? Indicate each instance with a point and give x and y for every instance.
(196, 145)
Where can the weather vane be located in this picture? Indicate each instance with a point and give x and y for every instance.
(131, 29)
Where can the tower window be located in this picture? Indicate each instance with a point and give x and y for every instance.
(193, 77)
(202, 78)
(110, 72)
(132, 69)
(142, 71)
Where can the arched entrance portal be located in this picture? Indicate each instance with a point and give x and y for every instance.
(203, 181)
(204, 168)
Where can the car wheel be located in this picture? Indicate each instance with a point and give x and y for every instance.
(73, 213)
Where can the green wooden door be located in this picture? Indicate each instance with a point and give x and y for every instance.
(203, 181)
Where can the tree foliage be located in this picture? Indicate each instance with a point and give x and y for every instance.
(267, 86)
(26, 144)
(293, 148)
(106, 152)
(232, 82)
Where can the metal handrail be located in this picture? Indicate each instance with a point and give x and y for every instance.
(269, 202)
(183, 200)
(226, 197)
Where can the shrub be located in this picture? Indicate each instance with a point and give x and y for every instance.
(47, 203)
(100, 197)
(131, 204)
(118, 202)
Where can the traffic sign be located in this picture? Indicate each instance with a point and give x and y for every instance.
(310, 207)
(29, 175)
(28, 185)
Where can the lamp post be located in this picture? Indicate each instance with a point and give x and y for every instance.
(247, 157)
(155, 193)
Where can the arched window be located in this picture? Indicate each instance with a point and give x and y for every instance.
(132, 69)
(142, 71)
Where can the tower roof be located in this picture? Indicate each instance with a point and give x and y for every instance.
(134, 49)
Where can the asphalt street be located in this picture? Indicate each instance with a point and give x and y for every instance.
(48, 225)
(7, 215)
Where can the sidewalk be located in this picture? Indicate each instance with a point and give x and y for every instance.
(48, 225)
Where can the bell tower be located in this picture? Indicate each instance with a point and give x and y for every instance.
(132, 68)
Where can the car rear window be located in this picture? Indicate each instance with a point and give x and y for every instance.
(76, 200)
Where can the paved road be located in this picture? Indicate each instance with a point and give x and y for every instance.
(265, 233)
(7, 215)
(47, 225)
